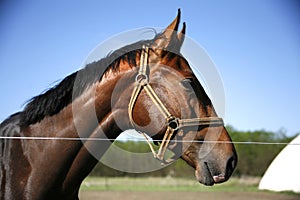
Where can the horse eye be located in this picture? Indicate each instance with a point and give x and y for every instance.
(187, 84)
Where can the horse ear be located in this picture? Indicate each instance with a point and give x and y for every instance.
(181, 35)
(169, 35)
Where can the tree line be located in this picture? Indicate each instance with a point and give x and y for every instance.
(254, 158)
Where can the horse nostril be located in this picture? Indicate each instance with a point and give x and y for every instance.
(231, 164)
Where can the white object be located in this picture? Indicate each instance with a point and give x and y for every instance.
(284, 172)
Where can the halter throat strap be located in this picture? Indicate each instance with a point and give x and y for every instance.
(173, 123)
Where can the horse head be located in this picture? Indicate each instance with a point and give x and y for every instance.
(168, 103)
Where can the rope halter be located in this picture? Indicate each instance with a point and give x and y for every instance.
(173, 123)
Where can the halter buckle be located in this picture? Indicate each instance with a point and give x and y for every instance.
(141, 79)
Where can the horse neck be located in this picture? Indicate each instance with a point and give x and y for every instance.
(89, 117)
(86, 113)
(97, 106)
(93, 113)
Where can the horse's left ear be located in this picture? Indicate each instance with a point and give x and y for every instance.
(169, 39)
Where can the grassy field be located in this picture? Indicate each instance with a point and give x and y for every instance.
(166, 184)
(169, 188)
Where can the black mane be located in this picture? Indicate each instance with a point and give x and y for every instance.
(55, 99)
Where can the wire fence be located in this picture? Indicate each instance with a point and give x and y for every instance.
(144, 140)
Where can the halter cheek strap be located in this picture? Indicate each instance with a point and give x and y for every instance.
(173, 123)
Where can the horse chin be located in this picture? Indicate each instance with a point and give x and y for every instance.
(206, 176)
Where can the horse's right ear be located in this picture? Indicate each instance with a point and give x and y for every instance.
(181, 35)
(169, 36)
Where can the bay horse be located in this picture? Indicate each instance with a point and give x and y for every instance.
(142, 77)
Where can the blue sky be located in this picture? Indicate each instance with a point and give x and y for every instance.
(254, 44)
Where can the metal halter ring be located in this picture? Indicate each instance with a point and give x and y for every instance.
(173, 123)
(142, 79)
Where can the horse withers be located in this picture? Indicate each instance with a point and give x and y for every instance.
(43, 155)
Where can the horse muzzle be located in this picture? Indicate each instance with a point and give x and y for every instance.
(209, 173)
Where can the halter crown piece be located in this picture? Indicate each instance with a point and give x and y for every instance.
(173, 123)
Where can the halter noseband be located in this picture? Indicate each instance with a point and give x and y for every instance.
(173, 123)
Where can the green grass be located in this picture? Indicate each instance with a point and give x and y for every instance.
(164, 184)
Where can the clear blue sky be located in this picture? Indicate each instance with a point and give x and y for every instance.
(255, 45)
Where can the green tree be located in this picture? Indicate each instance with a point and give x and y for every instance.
(254, 158)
